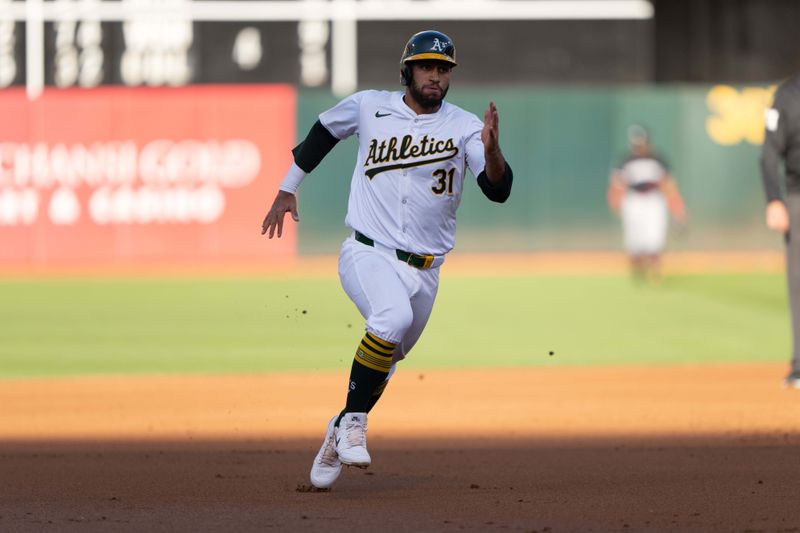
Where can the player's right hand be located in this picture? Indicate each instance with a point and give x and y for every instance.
(284, 202)
(777, 216)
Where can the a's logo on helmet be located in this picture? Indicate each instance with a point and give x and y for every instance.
(438, 45)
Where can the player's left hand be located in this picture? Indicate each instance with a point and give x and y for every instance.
(490, 134)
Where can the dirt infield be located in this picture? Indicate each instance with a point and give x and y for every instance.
(682, 448)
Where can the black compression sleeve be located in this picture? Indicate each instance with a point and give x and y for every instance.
(497, 193)
(314, 148)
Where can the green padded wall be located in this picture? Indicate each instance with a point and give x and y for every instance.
(562, 143)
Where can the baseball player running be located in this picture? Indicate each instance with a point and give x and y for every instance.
(413, 152)
(642, 190)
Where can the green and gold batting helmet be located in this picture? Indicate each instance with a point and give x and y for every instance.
(427, 44)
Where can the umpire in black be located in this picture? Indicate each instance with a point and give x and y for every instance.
(782, 142)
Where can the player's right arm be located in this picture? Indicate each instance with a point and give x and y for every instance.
(333, 125)
(616, 191)
(772, 151)
(307, 155)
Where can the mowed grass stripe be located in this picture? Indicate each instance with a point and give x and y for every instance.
(73, 327)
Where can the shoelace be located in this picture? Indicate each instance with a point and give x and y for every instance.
(356, 433)
(329, 456)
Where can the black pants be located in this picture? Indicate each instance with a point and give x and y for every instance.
(793, 273)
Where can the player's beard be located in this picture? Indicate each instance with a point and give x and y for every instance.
(427, 102)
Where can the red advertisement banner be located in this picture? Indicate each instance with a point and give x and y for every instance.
(167, 176)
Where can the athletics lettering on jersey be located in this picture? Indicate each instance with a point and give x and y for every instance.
(389, 152)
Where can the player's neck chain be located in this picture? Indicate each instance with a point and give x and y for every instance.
(389, 151)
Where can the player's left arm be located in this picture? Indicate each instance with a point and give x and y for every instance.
(496, 179)
(675, 202)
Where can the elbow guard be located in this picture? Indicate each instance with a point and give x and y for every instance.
(317, 144)
(497, 193)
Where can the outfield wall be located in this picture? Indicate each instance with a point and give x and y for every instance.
(562, 143)
(185, 175)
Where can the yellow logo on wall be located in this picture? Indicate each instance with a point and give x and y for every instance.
(737, 115)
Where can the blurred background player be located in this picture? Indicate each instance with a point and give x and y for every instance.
(413, 153)
(643, 192)
(782, 142)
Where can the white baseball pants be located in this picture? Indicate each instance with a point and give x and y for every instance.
(395, 298)
(644, 221)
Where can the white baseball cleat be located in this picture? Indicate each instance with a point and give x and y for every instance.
(327, 466)
(351, 440)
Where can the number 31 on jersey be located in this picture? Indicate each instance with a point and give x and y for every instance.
(444, 181)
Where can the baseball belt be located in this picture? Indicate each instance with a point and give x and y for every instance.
(644, 187)
(415, 260)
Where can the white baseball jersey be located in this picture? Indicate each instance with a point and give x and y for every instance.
(410, 171)
(643, 172)
(644, 222)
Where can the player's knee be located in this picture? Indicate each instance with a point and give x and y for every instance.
(393, 323)
(402, 319)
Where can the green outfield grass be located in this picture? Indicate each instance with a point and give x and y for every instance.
(72, 327)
